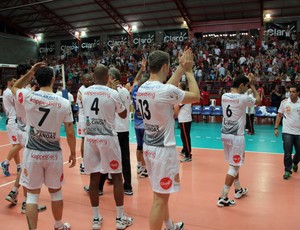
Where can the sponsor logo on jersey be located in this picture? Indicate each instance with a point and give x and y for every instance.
(146, 95)
(149, 154)
(114, 164)
(236, 158)
(165, 183)
(288, 109)
(151, 128)
(20, 98)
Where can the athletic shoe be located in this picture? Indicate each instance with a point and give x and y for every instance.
(65, 226)
(128, 192)
(287, 175)
(139, 169)
(295, 168)
(87, 189)
(186, 159)
(144, 173)
(239, 193)
(97, 222)
(176, 226)
(12, 197)
(41, 208)
(5, 169)
(224, 202)
(123, 222)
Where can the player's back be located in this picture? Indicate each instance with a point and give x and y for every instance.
(99, 105)
(45, 113)
(234, 112)
(156, 101)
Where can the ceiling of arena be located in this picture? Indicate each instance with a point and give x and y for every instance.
(55, 18)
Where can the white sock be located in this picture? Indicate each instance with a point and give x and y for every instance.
(120, 211)
(58, 224)
(169, 224)
(237, 185)
(96, 212)
(225, 191)
(15, 189)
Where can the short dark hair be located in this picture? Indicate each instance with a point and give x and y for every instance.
(294, 86)
(182, 85)
(8, 78)
(22, 69)
(115, 73)
(44, 76)
(157, 59)
(240, 79)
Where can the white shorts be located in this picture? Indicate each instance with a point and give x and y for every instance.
(13, 131)
(40, 168)
(163, 169)
(80, 129)
(234, 149)
(102, 154)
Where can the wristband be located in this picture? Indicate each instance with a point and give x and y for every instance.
(275, 128)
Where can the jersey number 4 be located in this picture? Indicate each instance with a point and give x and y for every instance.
(144, 105)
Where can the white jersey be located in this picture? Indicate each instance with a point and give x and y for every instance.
(291, 116)
(79, 103)
(45, 113)
(156, 102)
(9, 106)
(100, 105)
(185, 113)
(122, 125)
(234, 115)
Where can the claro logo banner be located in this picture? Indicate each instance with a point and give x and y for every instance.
(117, 40)
(73, 46)
(175, 35)
(281, 30)
(47, 48)
(143, 38)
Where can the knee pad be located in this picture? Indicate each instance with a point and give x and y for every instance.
(233, 170)
(32, 198)
(56, 196)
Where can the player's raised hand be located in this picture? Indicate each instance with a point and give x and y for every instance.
(38, 65)
(251, 78)
(187, 59)
(143, 64)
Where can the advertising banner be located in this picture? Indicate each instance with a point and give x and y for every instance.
(143, 38)
(47, 48)
(69, 47)
(89, 43)
(180, 35)
(281, 30)
(117, 40)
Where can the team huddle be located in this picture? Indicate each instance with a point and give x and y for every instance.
(34, 120)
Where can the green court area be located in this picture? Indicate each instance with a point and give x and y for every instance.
(208, 135)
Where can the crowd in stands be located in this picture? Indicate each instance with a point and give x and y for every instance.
(274, 62)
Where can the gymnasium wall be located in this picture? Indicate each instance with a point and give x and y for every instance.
(16, 49)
